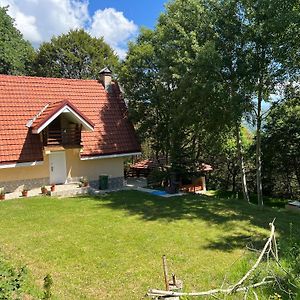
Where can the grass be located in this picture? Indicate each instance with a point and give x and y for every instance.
(268, 201)
(111, 247)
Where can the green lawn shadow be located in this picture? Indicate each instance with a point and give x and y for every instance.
(214, 210)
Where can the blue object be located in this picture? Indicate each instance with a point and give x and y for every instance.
(159, 193)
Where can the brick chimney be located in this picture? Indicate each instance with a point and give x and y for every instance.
(105, 78)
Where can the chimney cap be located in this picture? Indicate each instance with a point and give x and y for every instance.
(105, 71)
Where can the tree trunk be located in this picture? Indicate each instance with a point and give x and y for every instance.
(241, 162)
(288, 183)
(228, 177)
(297, 171)
(258, 149)
(234, 182)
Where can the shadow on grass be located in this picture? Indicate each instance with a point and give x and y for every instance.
(225, 212)
(268, 201)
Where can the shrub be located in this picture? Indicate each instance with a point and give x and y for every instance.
(47, 287)
(11, 281)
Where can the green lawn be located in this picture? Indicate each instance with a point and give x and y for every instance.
(111, 247)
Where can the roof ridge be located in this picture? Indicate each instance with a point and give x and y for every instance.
(31, 121)
(46, 78)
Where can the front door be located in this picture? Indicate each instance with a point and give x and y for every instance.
(57, 163)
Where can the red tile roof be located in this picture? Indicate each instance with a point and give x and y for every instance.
(21, 98)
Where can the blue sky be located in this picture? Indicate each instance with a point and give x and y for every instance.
(142, 12)
(117, 21)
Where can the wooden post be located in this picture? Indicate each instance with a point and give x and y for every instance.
(174, 279)
(173, 284)
(165, 268)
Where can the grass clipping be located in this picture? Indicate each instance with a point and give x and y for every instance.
(269, 250)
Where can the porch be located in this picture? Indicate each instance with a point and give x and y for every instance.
(61, 190)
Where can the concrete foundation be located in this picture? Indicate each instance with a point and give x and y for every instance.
(18, 185)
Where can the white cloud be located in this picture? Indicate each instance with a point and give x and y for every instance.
(39, 20)
(114, 27)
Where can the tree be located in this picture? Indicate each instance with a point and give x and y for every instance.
(281, 151)
(204, 58)
(74, 55)
(221, 152)
(16, 54)
(272, 26)
(174, 102)
(255, 40)
(215, 62)
(146, 92)
(229, 27)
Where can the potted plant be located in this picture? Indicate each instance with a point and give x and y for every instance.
(44, 190)
(2, 193)
(84, 181)
(25, 192)
(52, 187)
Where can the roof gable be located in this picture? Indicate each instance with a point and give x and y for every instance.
(52, 110)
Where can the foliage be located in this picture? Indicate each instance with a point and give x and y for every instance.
(48, 282)
(157, 178)
(25, 188)
(206, 66)
(222, 155)
(11, 281)
(74, 55)
(173, 104)
(84, 179)
(16, 54)
(270, 32)
(281, 151)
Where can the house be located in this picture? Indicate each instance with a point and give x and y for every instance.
(55, 130)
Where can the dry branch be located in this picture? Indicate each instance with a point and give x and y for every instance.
(267, 245)
(157, 293)
(271, 242)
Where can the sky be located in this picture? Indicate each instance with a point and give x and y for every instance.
(118, 21)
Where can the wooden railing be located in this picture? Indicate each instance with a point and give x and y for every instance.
(64, 137)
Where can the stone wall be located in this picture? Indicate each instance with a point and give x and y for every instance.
(18, 185)
(114, 183)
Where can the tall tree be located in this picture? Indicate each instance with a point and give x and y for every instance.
(147, 93)
(16, 54)
(74, 55)
(271, 29)
(190, 64)
(167, 74)
(229, 27)
(281, 145)
(255, 40)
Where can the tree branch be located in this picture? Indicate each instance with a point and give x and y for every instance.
(237, 287)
